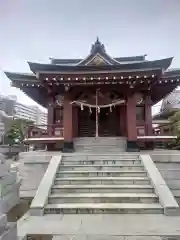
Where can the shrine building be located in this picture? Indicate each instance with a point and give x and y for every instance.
(98, 96)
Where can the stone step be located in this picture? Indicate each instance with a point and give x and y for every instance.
(101, 162)
(123, 156)
(99, 150)
(102, 189)
(94, 167)
(118, 173)
(100, 208)
(103, 180)
(108, 147)
(103, 198)
(99, 139)
(98, 147)
(100, 143)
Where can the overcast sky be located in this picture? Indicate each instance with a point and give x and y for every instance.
(34, 30)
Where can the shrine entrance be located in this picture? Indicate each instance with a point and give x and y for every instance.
(108, 122)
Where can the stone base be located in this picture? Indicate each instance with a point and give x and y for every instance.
(50, 146)
(149, 145)
(68, 147)
(132, 146)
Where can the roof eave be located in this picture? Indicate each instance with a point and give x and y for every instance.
(161, 64)
(15, 76)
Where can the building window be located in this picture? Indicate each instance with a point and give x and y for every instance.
(140, 113)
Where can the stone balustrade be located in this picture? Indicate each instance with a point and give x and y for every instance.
(9, 187)
(9, 197)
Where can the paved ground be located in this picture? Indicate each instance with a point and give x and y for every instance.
(93, 237)
(101, 226)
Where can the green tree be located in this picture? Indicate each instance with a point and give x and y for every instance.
(17, 131)
(175, 126)
(175, 123)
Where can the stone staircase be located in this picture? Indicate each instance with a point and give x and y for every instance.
(102, 184)
(100, 144)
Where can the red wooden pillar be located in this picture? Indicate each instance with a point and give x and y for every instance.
(50, 111)
(75, 121)
(148, 116)
(131, 123)
(68, 123)
(122, 118)
(50, 121)
(50, 115)
(61, 116)
(148, 122)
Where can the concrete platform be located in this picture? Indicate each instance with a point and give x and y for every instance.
(101, 226)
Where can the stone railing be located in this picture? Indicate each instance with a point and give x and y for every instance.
(168, 163)
(166, 198)
(42, 194)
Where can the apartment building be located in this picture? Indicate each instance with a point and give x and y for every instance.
(32, 113)
(10, 106)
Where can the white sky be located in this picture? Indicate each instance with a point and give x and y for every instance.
(34, 30)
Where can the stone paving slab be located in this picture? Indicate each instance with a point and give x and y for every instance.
(101, 225)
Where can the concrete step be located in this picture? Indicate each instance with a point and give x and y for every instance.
(106, 208)
(103, 198)
(101, 162)
(118, 173)
(102, 189)
(102, 180)
(94, 167)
